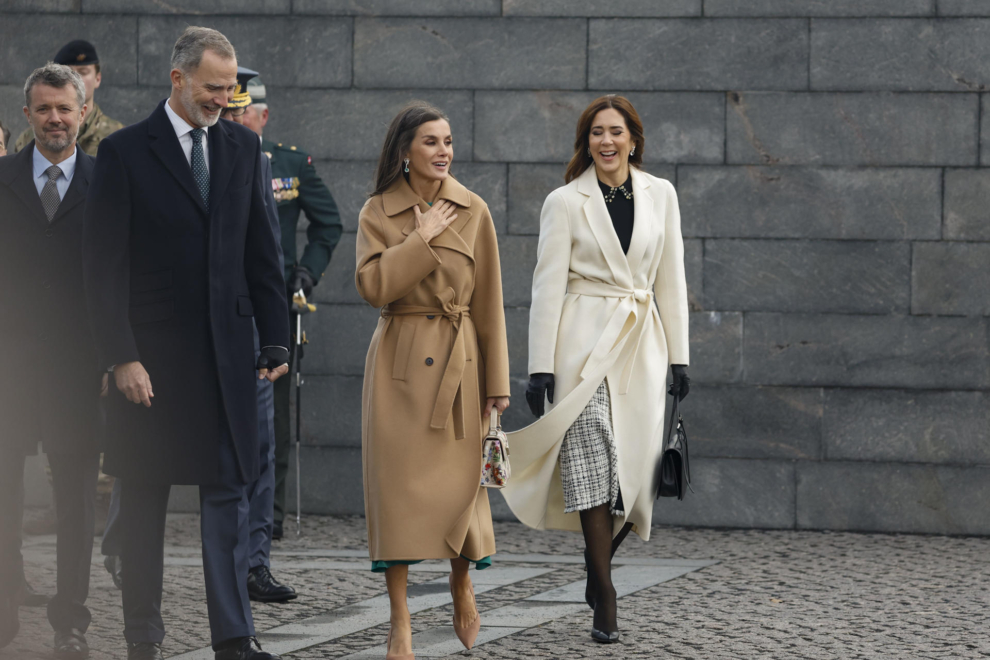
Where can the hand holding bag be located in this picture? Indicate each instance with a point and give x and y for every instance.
(673, 473)
(495, 470)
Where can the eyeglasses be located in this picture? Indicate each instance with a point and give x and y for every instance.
(233, 112)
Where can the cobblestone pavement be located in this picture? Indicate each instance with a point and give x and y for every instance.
(772, 594)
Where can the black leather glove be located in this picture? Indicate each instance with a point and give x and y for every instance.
(273, 357)
(682, 384)
(301, 279)
(540, 387)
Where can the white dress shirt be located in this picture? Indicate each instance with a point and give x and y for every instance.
(68, 167)
(183, 131)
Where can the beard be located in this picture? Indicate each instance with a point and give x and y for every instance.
(55, 144)
(194, 110)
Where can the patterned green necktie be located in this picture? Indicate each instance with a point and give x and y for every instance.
(200, 173)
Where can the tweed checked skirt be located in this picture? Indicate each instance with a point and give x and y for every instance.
(588, 460)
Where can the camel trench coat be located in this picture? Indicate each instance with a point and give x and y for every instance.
(599, 313)
(438, 353)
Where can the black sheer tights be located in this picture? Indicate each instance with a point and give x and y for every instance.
(596, 523)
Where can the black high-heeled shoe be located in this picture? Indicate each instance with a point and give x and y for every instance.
(602, 636)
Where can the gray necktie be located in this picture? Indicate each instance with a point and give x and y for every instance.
(200, 173)
(49, 194)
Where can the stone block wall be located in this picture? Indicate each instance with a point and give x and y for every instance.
(828, 158)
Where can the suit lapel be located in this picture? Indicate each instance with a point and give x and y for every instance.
(642, 220)
(23, 183)
(76, 194)
(166, 147)
(223, 155)
(600, 221)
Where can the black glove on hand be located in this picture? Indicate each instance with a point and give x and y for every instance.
(540, 387)
(273, 357)
(301, 279)
(682, 384)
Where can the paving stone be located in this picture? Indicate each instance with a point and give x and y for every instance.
(680, 127)
(21, 51)
(727, 491)
(963, 8)
(923, 499)
(517, 255)
(280, 48)
(900, 55)
(339, 337)
(187, 7)
(800, 202)
(817, 8)
(716, 347)
(866, 351)
(398, 7)
(754, 422)
(897, 425)
(478, 53)
(696, 54)
(694, 264)
(582, 8)
(302, 117)
(950, 279)
(967, 205)
(874, 129)
(855, 277)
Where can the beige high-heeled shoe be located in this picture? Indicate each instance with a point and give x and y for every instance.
(395, 656)
(468, 633)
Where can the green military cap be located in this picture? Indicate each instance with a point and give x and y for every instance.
(242, 98)
(257, 90)
(77, 53)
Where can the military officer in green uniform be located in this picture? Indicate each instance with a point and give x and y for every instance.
(297, 187)
(81, 57)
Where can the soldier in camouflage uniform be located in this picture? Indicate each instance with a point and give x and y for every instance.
(297, 188)
(81, 57)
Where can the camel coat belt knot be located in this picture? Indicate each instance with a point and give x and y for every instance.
(449, 397)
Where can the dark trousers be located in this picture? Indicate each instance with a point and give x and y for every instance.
(262, 494)
(111, 544)
(283, 435)
(74, 485)
(224, 526)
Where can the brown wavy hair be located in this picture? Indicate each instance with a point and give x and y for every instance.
(398, 139)
(581, 161)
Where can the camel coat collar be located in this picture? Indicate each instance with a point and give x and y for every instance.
(400, 197)
(622, 265)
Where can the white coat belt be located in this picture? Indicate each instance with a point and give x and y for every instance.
(618, 328)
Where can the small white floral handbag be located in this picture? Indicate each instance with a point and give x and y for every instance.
(495, 470)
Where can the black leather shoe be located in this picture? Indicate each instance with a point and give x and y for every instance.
(264, 588)
(114, 566)
(144, 651)
(71, 643)
(604, 638)
(276, 531)
(9, 622)
(28, 597)
(243, 648)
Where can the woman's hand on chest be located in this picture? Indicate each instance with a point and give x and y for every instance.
(432, 223)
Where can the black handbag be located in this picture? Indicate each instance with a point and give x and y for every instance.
(673, 473)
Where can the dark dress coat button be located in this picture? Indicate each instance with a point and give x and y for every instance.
(429, 362)
(431, 317)
(49, 232)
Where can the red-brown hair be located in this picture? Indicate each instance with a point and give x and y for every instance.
(582, 160)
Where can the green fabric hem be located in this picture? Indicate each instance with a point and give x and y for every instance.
(379, 566)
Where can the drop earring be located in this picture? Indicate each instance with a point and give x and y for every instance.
(406, 161)
(589, 151)
(632, 152)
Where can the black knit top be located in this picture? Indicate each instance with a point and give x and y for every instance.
(619, 202)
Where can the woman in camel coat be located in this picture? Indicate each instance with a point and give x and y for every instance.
(438, 364)
(609, 314)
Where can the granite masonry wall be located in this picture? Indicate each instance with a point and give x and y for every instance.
(828, 161)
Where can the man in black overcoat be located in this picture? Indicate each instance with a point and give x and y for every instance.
(51, 394)
(178, 257)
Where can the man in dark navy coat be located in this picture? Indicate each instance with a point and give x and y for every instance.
(54, 385)
(179, 258)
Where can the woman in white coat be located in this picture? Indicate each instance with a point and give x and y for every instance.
(609, 314)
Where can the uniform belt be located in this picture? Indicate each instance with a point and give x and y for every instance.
(449, 397)
(615, 330)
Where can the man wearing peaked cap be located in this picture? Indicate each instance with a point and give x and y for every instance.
(298, 188)
(81, 56)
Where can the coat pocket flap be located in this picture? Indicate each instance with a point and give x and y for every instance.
(159, 279)
(403, 350)
(159, 311)
(244, 306)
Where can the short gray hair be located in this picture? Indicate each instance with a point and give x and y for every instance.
(194, 41)
(58, 76)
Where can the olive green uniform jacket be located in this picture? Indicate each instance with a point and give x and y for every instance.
(297, 187)
(94, 128)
